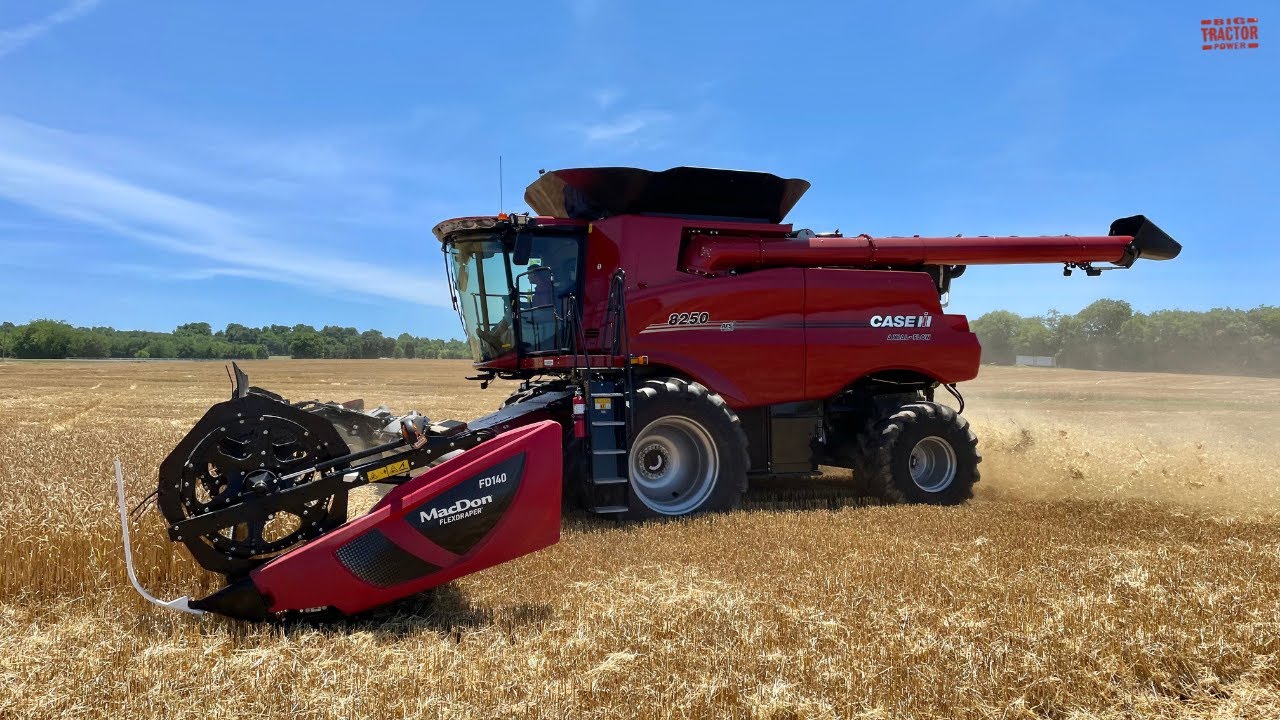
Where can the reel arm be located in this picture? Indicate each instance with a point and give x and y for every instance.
(411, 452)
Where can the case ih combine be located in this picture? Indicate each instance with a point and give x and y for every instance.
(674, 339)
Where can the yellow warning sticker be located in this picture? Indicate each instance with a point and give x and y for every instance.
(387, 471)
(604, 403)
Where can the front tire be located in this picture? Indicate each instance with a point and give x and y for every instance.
(689, 454)
(923, 452)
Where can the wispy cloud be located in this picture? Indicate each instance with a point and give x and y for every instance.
(14, 39)
(606, 98)
(164, 274)
(218, 241)
(628, 127)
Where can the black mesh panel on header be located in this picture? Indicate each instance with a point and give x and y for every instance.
(373, 558)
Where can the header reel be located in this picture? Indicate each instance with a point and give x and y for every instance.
(241, 452)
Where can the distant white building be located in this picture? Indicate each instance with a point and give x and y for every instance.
(1034, 360)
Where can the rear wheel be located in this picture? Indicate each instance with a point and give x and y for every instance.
(921, 453)
(689, 454)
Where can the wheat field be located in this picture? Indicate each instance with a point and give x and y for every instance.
(1121, 558)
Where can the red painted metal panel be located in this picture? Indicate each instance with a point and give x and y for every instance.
(741, 336)
(312, 576)
(846, 339)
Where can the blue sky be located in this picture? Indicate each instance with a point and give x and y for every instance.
(284, 162)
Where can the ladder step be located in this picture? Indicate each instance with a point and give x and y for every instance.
(609, 452)
(608, 481)
(609, 423)
(606, 509)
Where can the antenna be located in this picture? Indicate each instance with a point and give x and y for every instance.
(501, 204)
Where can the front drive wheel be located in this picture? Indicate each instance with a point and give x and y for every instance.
(689, 454)
(921, 453)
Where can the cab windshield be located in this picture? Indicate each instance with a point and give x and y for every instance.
(542, 269)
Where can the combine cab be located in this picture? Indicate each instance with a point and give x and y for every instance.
(674, 339)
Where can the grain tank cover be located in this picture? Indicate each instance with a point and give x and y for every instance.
(595, 193)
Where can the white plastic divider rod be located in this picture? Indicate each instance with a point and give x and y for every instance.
(182, 604)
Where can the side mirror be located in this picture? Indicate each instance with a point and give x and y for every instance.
(524, 248)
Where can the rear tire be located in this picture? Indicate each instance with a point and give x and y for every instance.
(689, 454)
(921, 453)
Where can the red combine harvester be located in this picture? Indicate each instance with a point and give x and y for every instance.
(674, 339)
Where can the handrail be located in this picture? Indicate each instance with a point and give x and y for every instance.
(616, 336)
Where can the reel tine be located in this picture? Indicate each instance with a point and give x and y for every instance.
(143, 504)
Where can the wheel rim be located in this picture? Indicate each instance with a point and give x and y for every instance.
(673, 465)
(933, 464)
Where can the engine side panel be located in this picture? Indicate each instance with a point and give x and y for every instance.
(795, 334)
(859, 322)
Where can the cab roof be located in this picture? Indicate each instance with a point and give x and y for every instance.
(488, 222)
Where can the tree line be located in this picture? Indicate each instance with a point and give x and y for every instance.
(57, 339)
(1109, 335)
(1106, 335)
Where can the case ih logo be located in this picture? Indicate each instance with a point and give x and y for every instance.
(1229, 33)
(912, 321)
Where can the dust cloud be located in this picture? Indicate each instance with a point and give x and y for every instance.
(1204, 442)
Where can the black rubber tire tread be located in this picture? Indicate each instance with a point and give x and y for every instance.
(884, 404)
(661, 397)
(885, 447)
